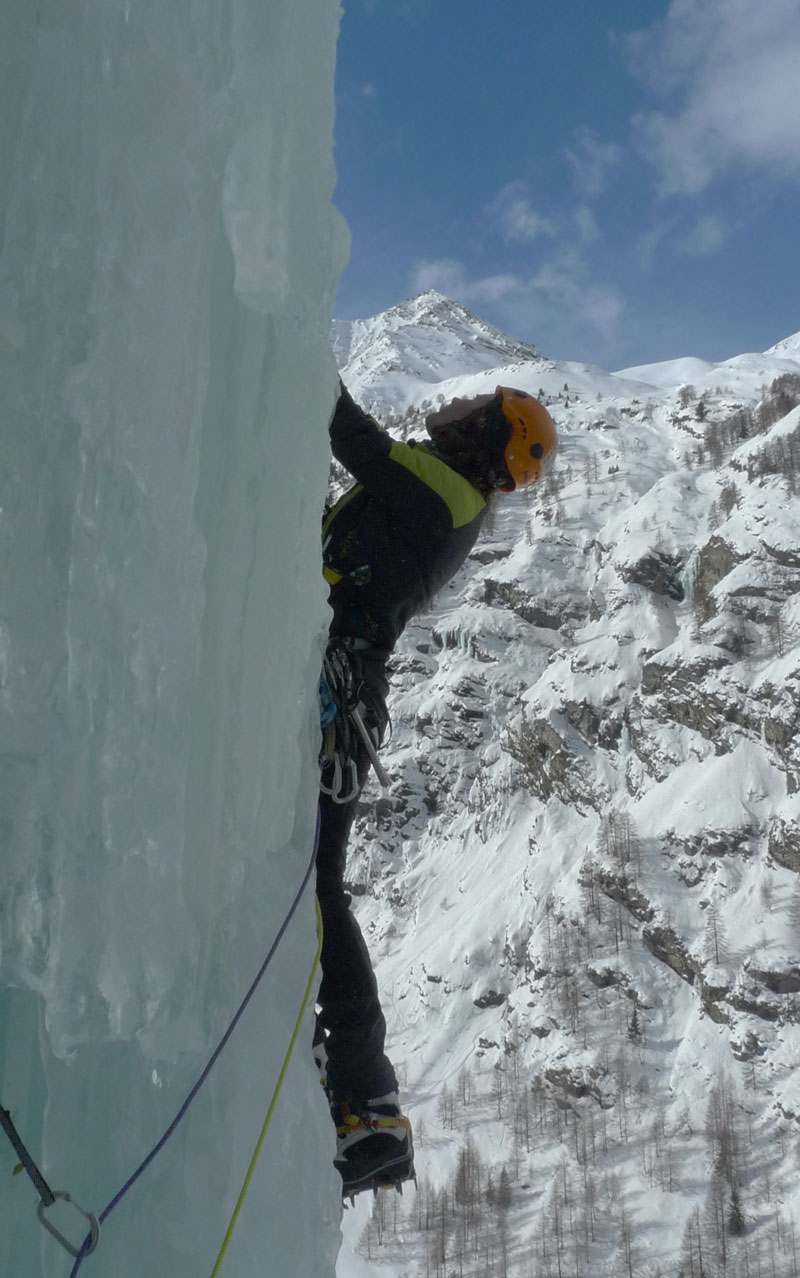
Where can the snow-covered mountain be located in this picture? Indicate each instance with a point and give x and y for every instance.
(427, 339)
(583, 887)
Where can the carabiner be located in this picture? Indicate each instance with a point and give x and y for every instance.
(94, 1227)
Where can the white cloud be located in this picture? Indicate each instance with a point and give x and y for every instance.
(567, 284)
(519, 219)
(586, 223)
(450, 277)
(648, 244)
(593, 161)
(562, 293)
(705, 237)
(729, 69)
(524, 223)
(444, 274)
(493, 287)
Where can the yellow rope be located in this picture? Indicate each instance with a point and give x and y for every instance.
(284, 1068)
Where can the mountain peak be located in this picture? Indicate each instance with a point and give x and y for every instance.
(428, 338)
(437, 304)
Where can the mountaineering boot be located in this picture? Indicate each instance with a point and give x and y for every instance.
(374, 1146)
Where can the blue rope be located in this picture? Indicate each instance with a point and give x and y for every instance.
(87, 1242)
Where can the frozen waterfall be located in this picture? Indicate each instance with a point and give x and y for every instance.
(168, 264)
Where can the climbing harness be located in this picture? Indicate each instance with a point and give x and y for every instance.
(334, 573)
(259, 1143)
(48, 1197)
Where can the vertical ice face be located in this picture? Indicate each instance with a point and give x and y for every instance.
(168, 261)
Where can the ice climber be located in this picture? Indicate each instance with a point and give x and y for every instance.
(389, 544)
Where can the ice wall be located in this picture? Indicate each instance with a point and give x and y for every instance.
(168, 263)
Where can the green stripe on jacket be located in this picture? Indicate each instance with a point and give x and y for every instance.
(463, 501)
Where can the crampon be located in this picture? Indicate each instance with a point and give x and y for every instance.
(386, 1178)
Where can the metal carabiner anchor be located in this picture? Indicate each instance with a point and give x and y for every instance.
(94, 1227)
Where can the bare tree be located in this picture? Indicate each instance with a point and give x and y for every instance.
(692, 1261)
(716, 947)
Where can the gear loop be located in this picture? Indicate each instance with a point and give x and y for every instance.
(356, 719)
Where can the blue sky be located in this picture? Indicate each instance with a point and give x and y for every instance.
(617, 181)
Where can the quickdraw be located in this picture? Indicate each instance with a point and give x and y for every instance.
(340, 688)
(47, 1196)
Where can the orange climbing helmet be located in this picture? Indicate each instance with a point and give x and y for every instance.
(533, 440)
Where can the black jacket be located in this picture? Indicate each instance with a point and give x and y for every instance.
(392, 541)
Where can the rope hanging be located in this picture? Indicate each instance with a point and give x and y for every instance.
(48, 1197)
(267, 1121)
(106, 1212)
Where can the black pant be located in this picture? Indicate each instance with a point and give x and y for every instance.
(350, 1009)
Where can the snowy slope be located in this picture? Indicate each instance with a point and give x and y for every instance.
(582, 887)
(789, 346)
(742, 373)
